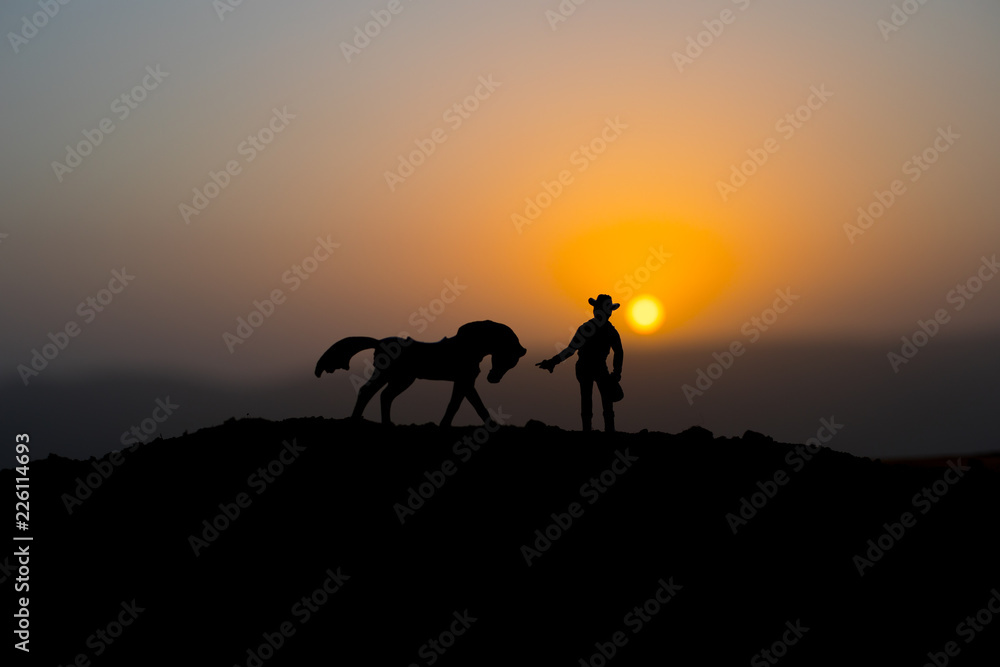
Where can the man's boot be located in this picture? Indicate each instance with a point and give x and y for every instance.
(586, 422)
(609, 422)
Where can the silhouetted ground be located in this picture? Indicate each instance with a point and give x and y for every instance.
(329, 510)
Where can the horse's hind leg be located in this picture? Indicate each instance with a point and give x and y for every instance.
(367, 392)
(394, 389)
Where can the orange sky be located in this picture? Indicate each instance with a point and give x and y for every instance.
(598, 103)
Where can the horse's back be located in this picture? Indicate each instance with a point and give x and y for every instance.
(442, 360)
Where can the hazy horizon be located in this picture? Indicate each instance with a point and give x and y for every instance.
(786, 392)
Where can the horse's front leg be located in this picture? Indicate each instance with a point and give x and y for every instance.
(477, 403)
(457, 394)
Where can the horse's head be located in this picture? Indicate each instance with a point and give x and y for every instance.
(498, 341)
(503, 362)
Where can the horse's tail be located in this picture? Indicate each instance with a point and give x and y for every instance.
(340, 353)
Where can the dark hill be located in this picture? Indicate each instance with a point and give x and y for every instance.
(659, 527)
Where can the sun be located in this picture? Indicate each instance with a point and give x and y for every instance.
(645, 314)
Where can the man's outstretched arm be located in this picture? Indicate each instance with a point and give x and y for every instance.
(574, 345)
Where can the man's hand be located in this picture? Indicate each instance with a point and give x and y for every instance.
(548, 365)
(616, 376)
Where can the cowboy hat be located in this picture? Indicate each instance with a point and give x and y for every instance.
(603, 299)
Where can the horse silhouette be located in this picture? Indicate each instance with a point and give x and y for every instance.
(400, 361)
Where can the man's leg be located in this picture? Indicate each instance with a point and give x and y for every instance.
(586, 396)
(604, 386)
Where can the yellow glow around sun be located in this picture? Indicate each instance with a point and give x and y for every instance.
(687, 267)
(645, 314)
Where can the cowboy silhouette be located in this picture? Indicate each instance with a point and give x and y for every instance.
(593, 340)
